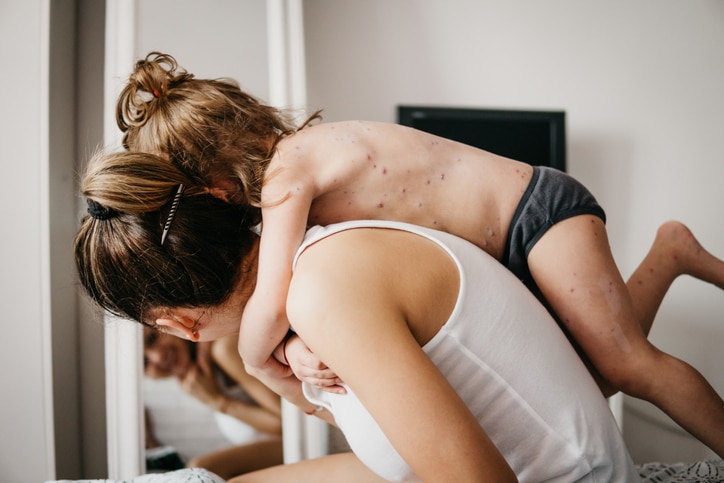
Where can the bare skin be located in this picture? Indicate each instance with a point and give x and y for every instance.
(674, 252)
(365, 170)
(167, 356)
(362, 170)
(586, 291)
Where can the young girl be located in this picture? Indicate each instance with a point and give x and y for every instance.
(540, 223)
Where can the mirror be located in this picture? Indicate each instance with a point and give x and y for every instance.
(221, 38)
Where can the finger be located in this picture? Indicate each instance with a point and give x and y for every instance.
(313, 363)
(336, 389)
(317, 374)
(320, 383)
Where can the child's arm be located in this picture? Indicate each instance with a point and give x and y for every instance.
(307, 367)
(264, 323)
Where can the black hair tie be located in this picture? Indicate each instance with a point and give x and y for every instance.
(100, 212)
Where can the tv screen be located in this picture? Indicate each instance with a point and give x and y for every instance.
(535, 137)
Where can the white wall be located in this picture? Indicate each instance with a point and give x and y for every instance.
(640, 82)
(26, 448)
(216, 38)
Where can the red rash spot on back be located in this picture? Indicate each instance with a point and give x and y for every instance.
(427, 182)
(384, 170)
(442, 177)
(380, 205)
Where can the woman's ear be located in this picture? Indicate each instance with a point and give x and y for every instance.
(178, 324)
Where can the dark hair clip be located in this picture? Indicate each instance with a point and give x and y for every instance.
(172, 212)
(100, 212)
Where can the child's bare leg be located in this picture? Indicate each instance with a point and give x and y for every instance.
(675, 252)
(574, 268)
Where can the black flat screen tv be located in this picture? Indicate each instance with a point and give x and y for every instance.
(535, 137)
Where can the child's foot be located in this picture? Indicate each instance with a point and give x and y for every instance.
(677, 246)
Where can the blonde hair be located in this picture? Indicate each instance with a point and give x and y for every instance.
(122, 264)
(209, 128)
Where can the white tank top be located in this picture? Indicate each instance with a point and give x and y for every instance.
(511, 364)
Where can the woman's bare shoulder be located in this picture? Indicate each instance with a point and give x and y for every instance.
(361, 266)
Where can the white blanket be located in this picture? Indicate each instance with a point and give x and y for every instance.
(195, 475)
(711, 471)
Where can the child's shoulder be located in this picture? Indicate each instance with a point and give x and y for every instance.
(350, 126)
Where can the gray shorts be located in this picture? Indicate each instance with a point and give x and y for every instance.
(551, 196)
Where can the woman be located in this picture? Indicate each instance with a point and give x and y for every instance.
(246, 411)
(454, 371)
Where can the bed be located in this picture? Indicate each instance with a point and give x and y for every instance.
(711, 471)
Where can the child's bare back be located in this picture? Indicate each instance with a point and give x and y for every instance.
(366, 170)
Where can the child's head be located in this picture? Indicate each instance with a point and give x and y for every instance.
(209, 128)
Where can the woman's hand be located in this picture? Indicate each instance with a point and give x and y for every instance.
(308, 367)
(202, 385)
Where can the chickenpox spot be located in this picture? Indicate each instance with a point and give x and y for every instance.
(572, 290)
(384, 170)
(404, 190)
(442, 177)
(419, 204)
(434, 222)
(369, 157)
(427, 182)
(640, 282)
(380, 205)
(374, 166)
(651, 270)
(434, 143)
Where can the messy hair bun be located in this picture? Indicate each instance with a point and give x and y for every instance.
(149, 84)
(214, 132)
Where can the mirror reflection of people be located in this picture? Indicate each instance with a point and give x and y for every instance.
(247, 413)
(454, 371)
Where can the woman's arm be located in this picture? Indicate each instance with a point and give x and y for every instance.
(203, 386)
(349, 301)
(266, 389)
(226, 356)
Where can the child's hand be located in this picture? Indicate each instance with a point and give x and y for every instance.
(308, 368)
